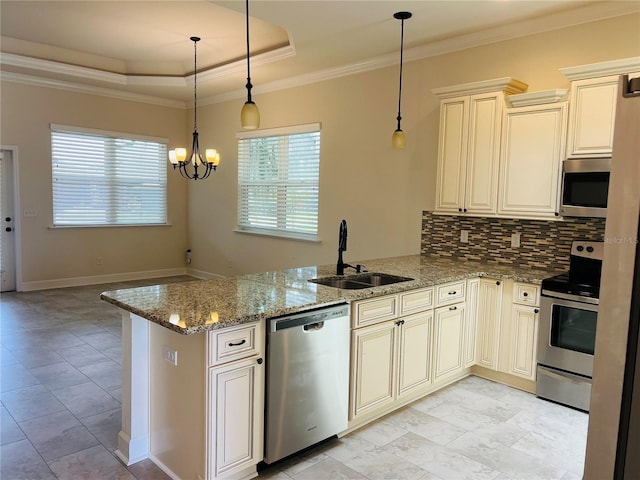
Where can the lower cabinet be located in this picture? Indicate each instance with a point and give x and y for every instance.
(489, 315)
(390, 360)
(235, 402)
(449, 329)
(523, 341)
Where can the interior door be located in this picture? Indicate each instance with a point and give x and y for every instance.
(7, 233)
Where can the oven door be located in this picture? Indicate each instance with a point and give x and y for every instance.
(567, 334)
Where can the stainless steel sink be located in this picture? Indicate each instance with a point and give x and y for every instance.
(362, 280)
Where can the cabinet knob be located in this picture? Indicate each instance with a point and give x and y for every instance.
(452, 292)
(460, 210)
(464, 210)
(453, 308)
(536, 310)
(498, 282)
(525, 294)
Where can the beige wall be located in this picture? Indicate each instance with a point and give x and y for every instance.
(380, 192)
(53, 254)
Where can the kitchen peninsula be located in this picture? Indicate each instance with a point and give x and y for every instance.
(193, 370)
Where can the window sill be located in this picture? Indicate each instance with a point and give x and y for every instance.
(276, 235)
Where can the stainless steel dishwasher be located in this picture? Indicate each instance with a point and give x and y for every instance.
(307, 379)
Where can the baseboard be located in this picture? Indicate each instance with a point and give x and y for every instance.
(202, 274)
(99, 279)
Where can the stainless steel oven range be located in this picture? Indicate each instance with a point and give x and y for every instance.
(567, 328)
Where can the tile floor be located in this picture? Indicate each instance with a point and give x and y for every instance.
(60, 394)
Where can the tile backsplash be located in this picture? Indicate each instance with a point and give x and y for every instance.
(543, 244)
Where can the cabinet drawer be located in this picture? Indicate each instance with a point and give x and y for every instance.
(234, 343)
(416, 301)
(526, 294)
(450, 293)
(375, 310)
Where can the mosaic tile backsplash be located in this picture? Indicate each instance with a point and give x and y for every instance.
(543, 244)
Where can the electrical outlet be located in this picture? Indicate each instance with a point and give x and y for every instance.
(30, 212)
(515, 240)
(99, 261)
(464, 236)
(170, 355)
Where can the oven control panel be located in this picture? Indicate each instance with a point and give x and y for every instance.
(585, 249)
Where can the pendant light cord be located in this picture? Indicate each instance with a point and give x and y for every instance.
(249, 86)
(401, 63)
(195, 82)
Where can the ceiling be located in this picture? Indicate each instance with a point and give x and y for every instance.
(141, 49)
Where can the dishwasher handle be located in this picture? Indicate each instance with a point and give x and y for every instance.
(310, 321)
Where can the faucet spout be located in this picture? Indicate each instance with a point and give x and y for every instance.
(342, 247)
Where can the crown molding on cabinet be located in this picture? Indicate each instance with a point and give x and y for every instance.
(507, 84)
(602, 69)
(537, 98)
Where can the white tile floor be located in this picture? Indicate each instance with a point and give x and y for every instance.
(60, 399)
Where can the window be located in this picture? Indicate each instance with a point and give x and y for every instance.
(107, 178)
(278, 172)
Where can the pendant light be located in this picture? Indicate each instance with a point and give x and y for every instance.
(250, 115)
(398, 139)
(190, 167)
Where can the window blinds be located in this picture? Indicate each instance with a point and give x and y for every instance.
(105, 178)
(278, 173)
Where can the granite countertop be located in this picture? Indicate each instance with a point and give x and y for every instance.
(201, 305)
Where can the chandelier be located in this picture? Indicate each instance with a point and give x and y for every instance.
(194, 167)
(250, 115)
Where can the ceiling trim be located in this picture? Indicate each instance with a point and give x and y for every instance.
(88, 89)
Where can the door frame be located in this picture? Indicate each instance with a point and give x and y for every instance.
(17, 214)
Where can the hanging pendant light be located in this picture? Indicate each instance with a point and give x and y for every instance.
(250, 115)
(194, 167)
(398, 139)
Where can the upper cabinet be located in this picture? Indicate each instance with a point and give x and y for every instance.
(532, 149)
(594, 93)
(469, 145)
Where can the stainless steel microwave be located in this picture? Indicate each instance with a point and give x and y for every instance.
(585, 187)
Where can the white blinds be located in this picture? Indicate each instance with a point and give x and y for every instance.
(278, 174)
(104, 178)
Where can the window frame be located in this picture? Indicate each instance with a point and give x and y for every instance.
(281, 231)
(110, 181)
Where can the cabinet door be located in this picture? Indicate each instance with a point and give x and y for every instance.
(373, 361)
(235, 418)
(593, 113)
(488, 322)
(470, 329)
(533, 146)
(452, 154)
(483, 152)
(524, 329)
(448, 340)
(414, 358)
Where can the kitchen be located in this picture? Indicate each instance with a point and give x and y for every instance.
(349, 167)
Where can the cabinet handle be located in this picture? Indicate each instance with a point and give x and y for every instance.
(536, 310)
(241, 342)
(453, 292)
(525, 294)
(464, 210)
(453, 308)
(400, 322)
(259, 361)
(498, 282)
(460, 210)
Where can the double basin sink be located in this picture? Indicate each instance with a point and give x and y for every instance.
(360, 280)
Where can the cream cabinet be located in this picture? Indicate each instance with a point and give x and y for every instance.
(390, 358)
(448, 333)
(469, 145)
(471, 323)
(592, 118)
(533, 145)
(489, 319)
(235, 401)
(522, 331)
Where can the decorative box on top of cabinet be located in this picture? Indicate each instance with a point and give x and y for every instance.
(469, 145)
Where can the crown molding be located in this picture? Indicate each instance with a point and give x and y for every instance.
(602, 69)
(507, 85)
(537, 98)
(88, 89)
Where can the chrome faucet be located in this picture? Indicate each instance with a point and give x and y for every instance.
(342, 247)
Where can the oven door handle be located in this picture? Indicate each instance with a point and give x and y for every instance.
(566, 296)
